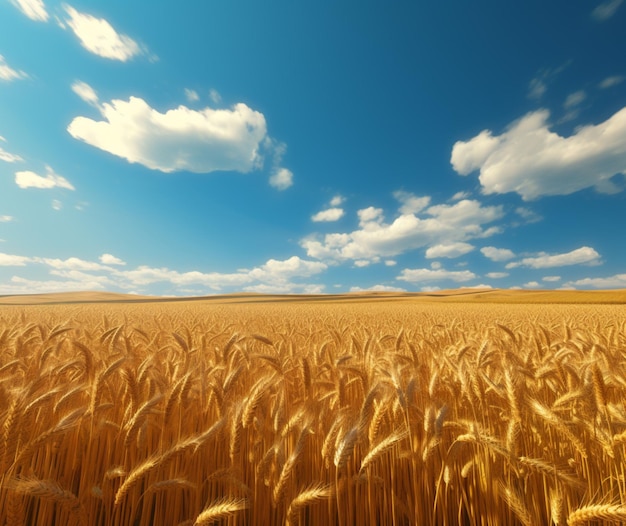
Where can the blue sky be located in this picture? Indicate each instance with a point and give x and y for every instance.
(289, 147)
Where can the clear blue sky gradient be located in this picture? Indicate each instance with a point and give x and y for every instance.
(454, 144)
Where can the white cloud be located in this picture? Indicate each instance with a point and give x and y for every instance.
(281, 179)
(425, 274)
(606, 10)
(97, 36)
(436, 265)
(444, 224)
(19, 285)
(580, 256)
(574, 99)
(286, 288)
(533, 161)
(9, 260)
(109, 259)
(192, 95)
(28, 179)
(452, 250)
(57, 205)
(536, 88)
(378, 288)
(497, 254)
(497, 275)
(86, 92)
(277, 270)
(33, 9)
(609, 82)
(411, 204)
(6, 156)
(528, 215)
(391, 263)
(8, 73)
(6, 219)
(618, 281)
(330, 214)
(361, 263)
(200, 141)
(551, 278)
(460, 195)
(72, 263)
(337, 200)
(215, 97)
(531, 284)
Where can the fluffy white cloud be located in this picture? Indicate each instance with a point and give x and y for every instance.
(497, 254)
(86, 92)
(531, 285)
(452, 250)
(6, 219)
(28, 179)
(551, 278)
(72, 263)
(425, 274)
(109, 259)
(391, 263)
(8, 73)
(337, 200)
(330, 214)
(497, 275)
(9, 260)
(277, 270)
(618, 281)
(97, 36)
(199, 141)
(19, 285)
(606, 10)
(443, 224)
(411, 204)
(281, 179)
(33, 9)
(533, 161)
(580, 256)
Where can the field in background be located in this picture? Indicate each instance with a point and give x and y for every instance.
(371, 409)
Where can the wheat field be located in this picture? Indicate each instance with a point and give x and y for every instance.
(301, 412)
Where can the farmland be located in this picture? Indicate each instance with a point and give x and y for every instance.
(373, 409)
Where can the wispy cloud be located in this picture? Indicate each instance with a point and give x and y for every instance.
(606, 10)
(192, 95)
(86, 93)
(33, 9)
(6, 219)
(6, 156)
(28, 179)
(533, 161)
(99, 37)
(617, 281)
(7, 73)
(609, 82)
(580, 256)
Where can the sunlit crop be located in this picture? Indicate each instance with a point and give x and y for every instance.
(368, 413)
